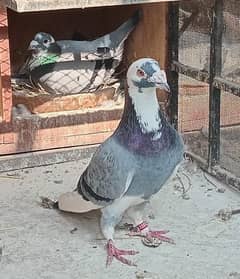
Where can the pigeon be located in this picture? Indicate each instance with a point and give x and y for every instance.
(70, 67)
(133, 164)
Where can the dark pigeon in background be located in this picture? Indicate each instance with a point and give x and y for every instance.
(133, 164)
(70, 67)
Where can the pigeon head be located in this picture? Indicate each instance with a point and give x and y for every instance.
(146, 73)
(41, 43)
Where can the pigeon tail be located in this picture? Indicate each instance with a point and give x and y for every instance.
(122, 32)
(73, 202)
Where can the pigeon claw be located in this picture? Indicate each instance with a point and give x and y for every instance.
(113, 252)
(160, 235)
(150, 237)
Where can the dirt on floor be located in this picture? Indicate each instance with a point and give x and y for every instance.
(36, 242)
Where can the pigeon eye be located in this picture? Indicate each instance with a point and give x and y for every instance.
(45, 41)
(140, 73)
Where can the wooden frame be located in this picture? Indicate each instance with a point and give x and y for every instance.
(33, 132)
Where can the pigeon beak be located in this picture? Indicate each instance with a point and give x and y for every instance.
(160, 81)
(33, 45)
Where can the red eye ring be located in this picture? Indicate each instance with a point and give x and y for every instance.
(140, 73)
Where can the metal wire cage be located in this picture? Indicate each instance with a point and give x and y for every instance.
(204, 43)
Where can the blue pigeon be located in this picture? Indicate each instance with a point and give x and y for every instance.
(70, 67)
(133, 164)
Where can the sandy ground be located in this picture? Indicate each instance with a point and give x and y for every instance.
(41, 243)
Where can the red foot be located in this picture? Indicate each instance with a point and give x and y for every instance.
(112, 252)
(142, 230)
(159, 235)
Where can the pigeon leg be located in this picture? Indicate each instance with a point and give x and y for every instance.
(159, 235)
(143, 230)
(111, 216)
(141, 227)
(112, 252)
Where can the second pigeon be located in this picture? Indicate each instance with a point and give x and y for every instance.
(70, 67)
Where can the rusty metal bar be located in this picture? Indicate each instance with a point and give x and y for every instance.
(173, 23)
(190, 71)
(215, 93)
(228, 86)
(218, 82)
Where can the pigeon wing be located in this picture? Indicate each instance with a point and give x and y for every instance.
(107, 177)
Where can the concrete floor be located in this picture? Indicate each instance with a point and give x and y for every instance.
(38, 243)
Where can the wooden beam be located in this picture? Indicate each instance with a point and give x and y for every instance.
(46, 5)
(44, 158)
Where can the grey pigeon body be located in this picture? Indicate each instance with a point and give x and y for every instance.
(70, 67)
(136, 161)
(129, 163)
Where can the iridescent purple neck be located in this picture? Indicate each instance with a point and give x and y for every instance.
(130, 135)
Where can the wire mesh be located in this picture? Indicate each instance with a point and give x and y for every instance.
(231, 41)
(230, 104)
(194, 50)
(194, 114)
(194, 40)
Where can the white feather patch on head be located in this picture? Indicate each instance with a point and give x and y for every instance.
(147, 110)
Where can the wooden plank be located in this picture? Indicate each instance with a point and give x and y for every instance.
(38, 132)
(57, 141)
(44, 158)
(6, 92)
(149, 39)
(1, 104)
(46, 5)
(40, 103)
(53, 120)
